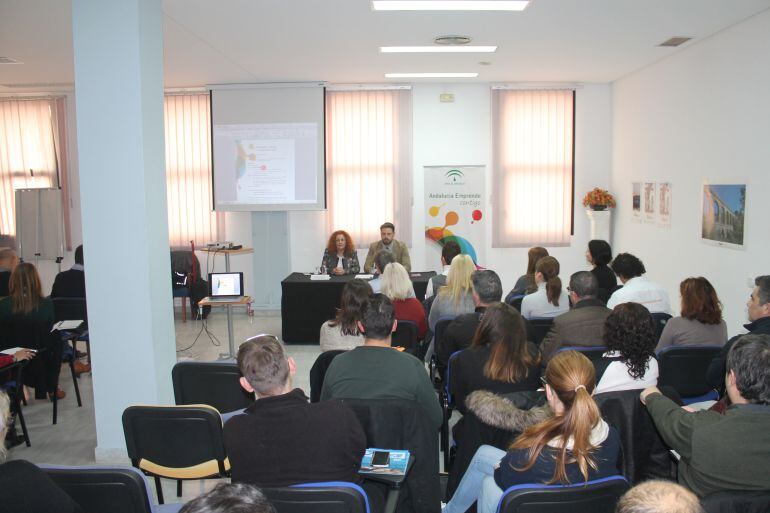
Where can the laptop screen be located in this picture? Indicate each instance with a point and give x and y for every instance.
(226, 284)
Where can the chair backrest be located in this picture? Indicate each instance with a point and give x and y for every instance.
(175, 437)
(441, 326)
(540, 327)
(737, 501)
(70, 308)
(214, 383)
(599, 496)
(684, 368)
(448, 377)
(100, 489)
(318, 372)
(405, 335)
(593, 353)
(330, 497)
(660, 319)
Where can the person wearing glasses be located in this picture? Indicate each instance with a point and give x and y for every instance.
(574, 445)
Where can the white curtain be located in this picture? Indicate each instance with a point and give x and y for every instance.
(27, 152)
(532, 146)
(188, 171)
(369, 163)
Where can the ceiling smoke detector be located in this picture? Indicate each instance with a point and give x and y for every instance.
(451, 40)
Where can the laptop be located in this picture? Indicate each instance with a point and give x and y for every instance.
(224, 287)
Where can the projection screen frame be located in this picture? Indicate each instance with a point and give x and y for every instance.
(320, 205)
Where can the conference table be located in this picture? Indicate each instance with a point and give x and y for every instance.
(306, 304)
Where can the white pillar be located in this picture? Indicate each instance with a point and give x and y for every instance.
(600, 224)
(118, 49)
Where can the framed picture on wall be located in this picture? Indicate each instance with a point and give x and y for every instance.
(664, 204)
(636, 201)
(649, 202)
(723, 214)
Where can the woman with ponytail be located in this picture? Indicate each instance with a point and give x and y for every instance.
(550, 299)
(574, 445)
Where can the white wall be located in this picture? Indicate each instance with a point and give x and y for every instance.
(701, 115)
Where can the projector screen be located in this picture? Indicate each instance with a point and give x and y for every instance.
(268, 147)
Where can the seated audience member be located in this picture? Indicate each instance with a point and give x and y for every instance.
(487, 290)
(456, 297)
(636, 288)
(758, 307)
(659, 497)
(550, 299)
(526, 283)
(381, 261)
(396, 285)
(26, 303)
(376, 370)
(71, 283)
(583, 325)
(629, 363)
(8, 262)
(701, 323)
(230, 498)
(282, 439)
(599, 254)
(500, 360)
(342, 331)
(388, 243)
(450, 250)
(729, 452)
(340, 255)
(24, 487)
(575, 445)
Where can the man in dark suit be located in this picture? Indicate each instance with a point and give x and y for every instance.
(583, 325)
(487, 289)
(8, 261)
(71, 283)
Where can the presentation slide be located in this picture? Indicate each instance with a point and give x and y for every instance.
(268, 147)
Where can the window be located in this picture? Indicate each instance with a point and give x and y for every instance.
(533, 140)
(28, 128)
(188, 171)
(369, 163)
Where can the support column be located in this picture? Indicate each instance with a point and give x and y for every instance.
(118, 47)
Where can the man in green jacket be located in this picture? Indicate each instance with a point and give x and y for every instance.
(378, 371)
(729, 452)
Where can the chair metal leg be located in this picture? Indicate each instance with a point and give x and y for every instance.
(17, 406)
(75, 382)
(55, 403)
(88, 350)
(178, 487)
(159, 490)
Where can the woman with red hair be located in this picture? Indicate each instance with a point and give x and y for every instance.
(340, 255)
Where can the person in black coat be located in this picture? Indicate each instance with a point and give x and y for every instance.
(72, 282)
(599, 254)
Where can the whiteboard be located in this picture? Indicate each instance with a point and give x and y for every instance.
(39, 228)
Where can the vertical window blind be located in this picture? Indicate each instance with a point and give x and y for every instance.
(532, 147)
(188, 171)
(369, 162)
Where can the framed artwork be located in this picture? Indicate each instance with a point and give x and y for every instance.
(723, 214)
(636, 201)
(648, 190)
(664, 204)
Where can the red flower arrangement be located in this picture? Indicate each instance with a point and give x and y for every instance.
(598, 199)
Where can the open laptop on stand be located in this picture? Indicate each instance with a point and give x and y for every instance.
(225, 287)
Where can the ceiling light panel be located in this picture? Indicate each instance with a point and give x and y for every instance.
(438, 49)
(449, 5)
(431, 75)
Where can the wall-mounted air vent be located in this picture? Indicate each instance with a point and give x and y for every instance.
(675, 41)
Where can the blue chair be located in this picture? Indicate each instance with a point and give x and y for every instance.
(329, 497)
(683, 368)
(447, 406)
(540, 328)
(405, 336)
(598, 496)
(113, 489)
(436, 374)
(660, 319)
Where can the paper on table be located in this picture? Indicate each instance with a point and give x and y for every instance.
(320, 277)
(364, 276)
(12, 351)
(67, 325)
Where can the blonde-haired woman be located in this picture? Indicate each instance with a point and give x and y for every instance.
(398, 287)
(550, 299)
(26, 303)
(574, 445)
(456, 297)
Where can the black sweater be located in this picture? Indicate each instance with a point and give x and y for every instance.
(285, 440)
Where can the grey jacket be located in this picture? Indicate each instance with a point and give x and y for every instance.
(581, 326)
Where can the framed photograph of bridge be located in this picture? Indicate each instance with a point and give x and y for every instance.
(723, 214)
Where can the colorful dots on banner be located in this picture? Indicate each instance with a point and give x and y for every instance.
(476, 216)
(451, 218)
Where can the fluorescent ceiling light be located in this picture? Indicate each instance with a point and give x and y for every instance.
(431, 75)
(438, 49)
(449, 5)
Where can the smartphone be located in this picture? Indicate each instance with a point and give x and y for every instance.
(380, 459)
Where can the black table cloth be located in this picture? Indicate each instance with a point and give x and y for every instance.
(307, 304)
